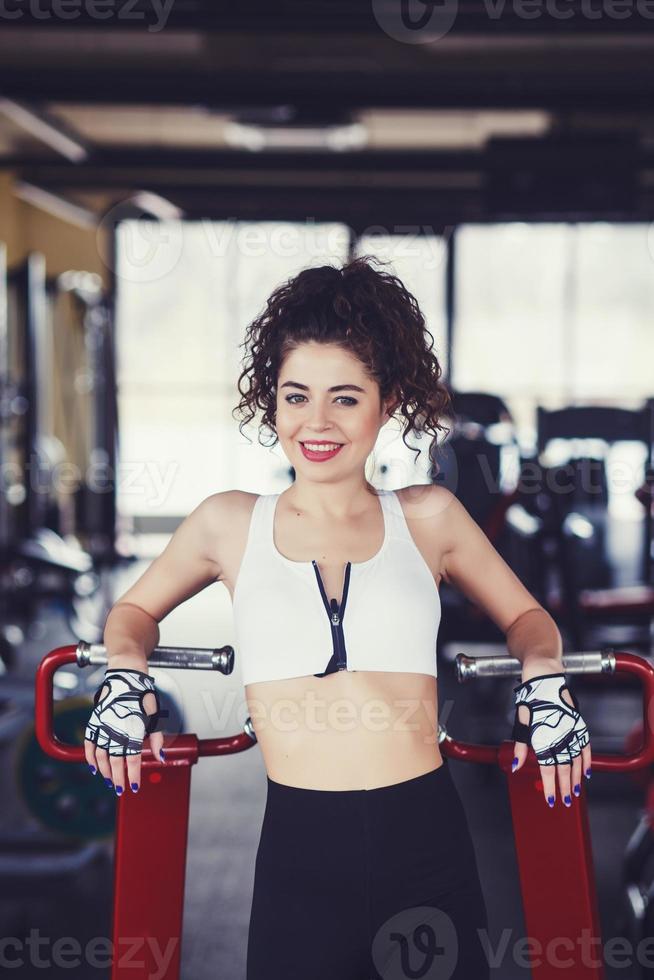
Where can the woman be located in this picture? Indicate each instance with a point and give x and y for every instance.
(365, 866)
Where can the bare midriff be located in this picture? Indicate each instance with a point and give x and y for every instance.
(348, 730)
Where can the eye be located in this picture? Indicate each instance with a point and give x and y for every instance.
(348, 399)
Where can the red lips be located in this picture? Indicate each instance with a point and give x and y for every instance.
(322, 455)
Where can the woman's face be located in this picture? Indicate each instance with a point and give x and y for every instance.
(308, 412)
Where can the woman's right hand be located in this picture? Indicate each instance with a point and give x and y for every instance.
(126, 711)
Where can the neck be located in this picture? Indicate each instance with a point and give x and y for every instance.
(336, 500)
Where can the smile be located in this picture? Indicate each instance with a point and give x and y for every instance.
(320, 452)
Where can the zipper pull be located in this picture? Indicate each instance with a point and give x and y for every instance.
(335, 614)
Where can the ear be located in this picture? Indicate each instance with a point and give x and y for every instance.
(391, 404)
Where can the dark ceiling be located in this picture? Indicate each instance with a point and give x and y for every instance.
(363, 112)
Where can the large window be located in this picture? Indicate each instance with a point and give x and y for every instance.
(554, 314)
(548, 314)
(185, 294)
(557, 314)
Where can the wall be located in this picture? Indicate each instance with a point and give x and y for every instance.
(25, 228)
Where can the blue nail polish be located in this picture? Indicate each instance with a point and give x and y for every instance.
(92, 768)
(108, 781)
(588, 771)
(577, 789)
(550, 800)
(515, 762)
(135, 787)
(567, 800)
(119, 789)
(163, 754)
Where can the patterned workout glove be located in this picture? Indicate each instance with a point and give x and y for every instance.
(118, 722)
(556, 730)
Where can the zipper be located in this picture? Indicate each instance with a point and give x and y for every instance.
(338, 659)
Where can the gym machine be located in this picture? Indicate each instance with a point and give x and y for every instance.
(149, 893)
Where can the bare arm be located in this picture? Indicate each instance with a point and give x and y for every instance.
(188, 564)
(471, 564)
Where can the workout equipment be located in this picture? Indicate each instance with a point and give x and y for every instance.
(565, 916)
(637, 921)
(587, 607)
(60, 797)
(148, 892)
(149, 895)
(51, 365)
(83, 415)
(476, 458)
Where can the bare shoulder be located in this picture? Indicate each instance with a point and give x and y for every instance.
(469, 561)
(197, 555)
(426, 507)
(440, 513)
(229, 514)
(229, 503)
(225, 511)
(426, 502)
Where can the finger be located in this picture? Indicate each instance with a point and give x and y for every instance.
(576, 775)
(89, 754)
(563, 773)
(134, 772)
(118, 773)
(134, 761)
(548, 775)
(156, 741)
(103, 764)
(156, 738)
(520, 753)
(520, 749)
(586, 761)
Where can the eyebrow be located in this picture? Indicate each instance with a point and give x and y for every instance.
(296, 384)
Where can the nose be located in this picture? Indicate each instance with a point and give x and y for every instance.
(319, 420)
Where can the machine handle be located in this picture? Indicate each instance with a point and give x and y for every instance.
(184, 748)
(592, 662)
(194, 658)
(589, 662)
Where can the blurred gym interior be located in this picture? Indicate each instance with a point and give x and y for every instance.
(162, 169)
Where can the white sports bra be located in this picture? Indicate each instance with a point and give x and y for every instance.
(285, 625)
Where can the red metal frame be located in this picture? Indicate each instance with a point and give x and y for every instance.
(553, 847)
(150, 838)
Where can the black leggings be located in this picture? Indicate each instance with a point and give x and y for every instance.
(367, 884)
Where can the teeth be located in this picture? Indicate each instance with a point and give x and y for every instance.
(321, 449)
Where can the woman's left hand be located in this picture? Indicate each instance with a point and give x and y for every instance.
(548, 718)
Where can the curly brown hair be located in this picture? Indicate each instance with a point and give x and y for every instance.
(365, 311)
